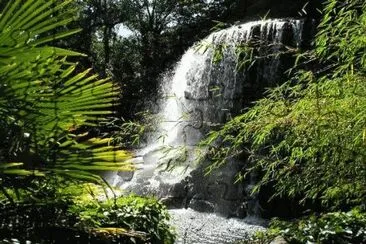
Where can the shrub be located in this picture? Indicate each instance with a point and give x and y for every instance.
(336, 227)
(83, 210)
(307, 136)
(130, 212)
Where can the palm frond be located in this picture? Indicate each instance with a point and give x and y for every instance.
(43, 100)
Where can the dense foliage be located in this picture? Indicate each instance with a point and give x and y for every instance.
(135, 41)
(47, 109)
(44, 102)
(307, 136)
(337, 227)
(125, 39)
(132, 213)
(80, 211)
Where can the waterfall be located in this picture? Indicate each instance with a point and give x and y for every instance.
(204, 91)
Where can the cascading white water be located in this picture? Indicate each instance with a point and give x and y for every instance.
(200, 95)
(196, 77)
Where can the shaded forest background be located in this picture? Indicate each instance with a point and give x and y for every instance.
(136, 41)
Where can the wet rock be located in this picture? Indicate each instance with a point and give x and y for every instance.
(217, 191)
(126, 175)
(177, 196)
(187, 95)
(202, 206)
(231, 209)
(199, 196)
(179, 190)
(241, 211)
(173, 202)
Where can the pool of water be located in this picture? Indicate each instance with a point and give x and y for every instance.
(201, 228)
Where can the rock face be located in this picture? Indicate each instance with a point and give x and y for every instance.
(217, 192)
(206, 90)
